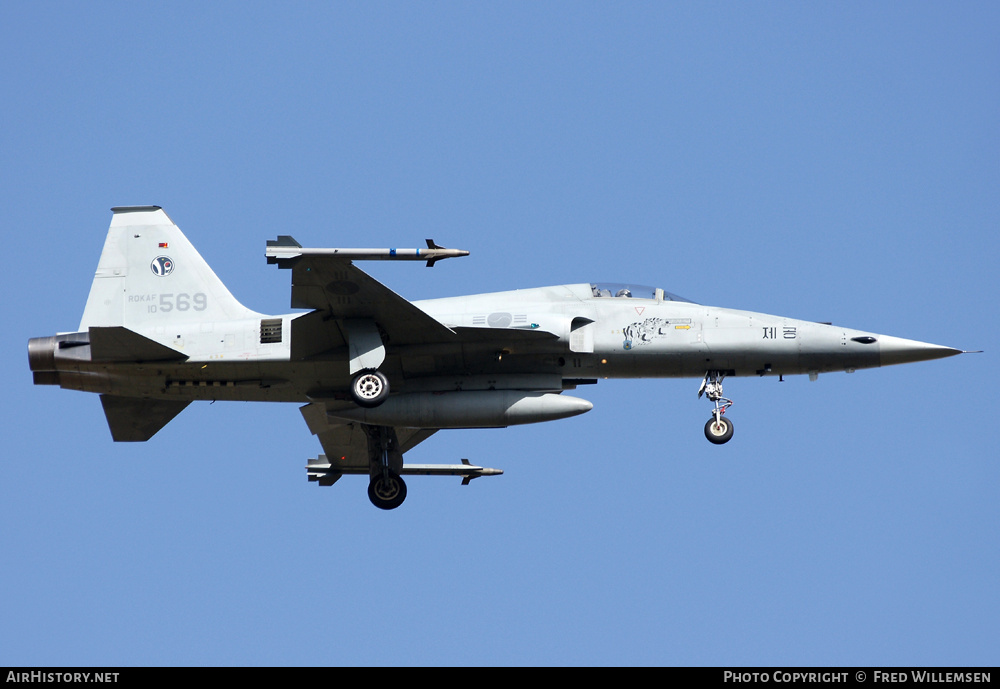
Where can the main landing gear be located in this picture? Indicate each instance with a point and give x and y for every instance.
(370, 388)
(386, 489)
(719, 429)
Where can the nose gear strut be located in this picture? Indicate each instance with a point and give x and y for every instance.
(718, 430)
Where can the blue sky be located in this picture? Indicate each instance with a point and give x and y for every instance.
(829, 161)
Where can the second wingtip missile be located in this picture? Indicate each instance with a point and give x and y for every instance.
(284, 250)
(326, 473)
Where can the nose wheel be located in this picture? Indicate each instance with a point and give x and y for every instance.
(718, 430)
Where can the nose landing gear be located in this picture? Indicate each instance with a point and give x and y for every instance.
(718, 430)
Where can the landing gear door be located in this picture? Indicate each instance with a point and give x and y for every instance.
(365, 344)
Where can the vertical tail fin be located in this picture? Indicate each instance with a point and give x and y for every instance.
(149, 272)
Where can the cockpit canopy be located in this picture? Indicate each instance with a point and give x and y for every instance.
(623, 290)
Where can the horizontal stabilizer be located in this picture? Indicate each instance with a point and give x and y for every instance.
(135, 420)
(120, 344)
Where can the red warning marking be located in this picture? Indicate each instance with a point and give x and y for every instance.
(640, 309)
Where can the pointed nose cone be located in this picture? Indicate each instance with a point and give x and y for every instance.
(896, 350)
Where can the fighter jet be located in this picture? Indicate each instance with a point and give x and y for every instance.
(379, 374)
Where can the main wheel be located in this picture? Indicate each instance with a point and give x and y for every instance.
(719, 433)
(370, 388)
(387, 492)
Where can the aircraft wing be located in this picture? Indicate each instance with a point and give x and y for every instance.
(348, 449)
(346, 446)
(331, 284)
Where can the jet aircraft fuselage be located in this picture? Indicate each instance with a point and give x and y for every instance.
(379, 374)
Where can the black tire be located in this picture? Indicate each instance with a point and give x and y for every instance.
(721, 433)
(370, 388)
(387, 492)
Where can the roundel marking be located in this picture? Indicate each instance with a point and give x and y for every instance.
(162, 266)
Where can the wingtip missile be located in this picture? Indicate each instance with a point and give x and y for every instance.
(435, 252)
(284, 250)
(326, 473)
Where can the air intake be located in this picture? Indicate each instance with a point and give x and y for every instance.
(270, 331)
